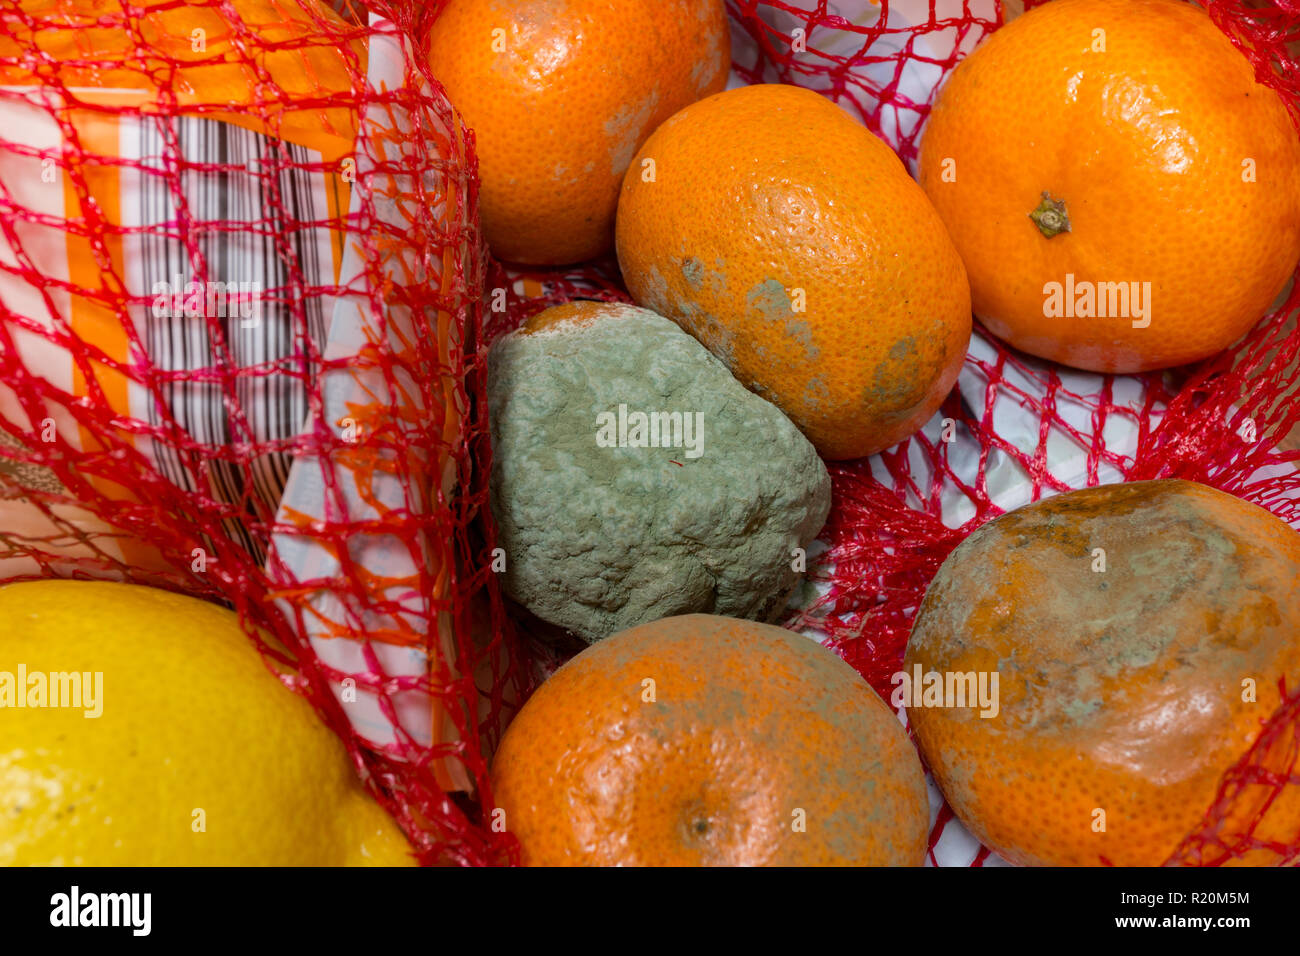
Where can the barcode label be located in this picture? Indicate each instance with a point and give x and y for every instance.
(227, 248)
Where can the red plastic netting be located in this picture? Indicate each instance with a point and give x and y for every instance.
(1016, 428)
(320, 465)
(240, 276)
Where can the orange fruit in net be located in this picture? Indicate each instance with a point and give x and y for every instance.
(1168, 177)
(560, 93)
(829, 288)
(1139, 633)
(705, 740)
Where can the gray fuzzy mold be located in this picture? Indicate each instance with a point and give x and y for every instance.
(601, 533)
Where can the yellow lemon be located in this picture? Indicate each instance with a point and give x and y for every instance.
(140, 727)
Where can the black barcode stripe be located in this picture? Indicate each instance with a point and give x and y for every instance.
(281, 392)
(165, 338)
(304, 252)
(234, 332)
(233, 325)
(272, 393)
(226, 482)
(201, 400)
(237, 272)
(221, 248)
(282, 389)
(272, 326)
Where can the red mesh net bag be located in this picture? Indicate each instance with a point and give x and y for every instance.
(240, 277)
(244, 310)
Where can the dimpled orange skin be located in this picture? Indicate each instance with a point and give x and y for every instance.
(768, 198)
(750, 724)
(559, 108)
(1145, 144)
(1120, 690)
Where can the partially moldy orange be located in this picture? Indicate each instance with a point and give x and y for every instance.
(707, 740)
(1139, 633)
(832, 289)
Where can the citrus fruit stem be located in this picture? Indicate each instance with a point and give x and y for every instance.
(1050, 217)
